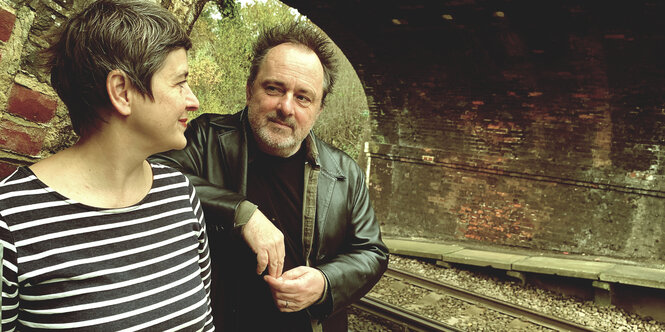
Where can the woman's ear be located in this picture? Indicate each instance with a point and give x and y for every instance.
(118, 87)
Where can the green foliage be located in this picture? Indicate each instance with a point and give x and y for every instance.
(219, 65)
(345, 121)
(227, 8)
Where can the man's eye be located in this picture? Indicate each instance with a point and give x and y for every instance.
(303, 100)
(272, 90)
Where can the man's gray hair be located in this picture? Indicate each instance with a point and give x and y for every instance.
(300, 34)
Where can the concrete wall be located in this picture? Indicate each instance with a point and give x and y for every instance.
(33, 121)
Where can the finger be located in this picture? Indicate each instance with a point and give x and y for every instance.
(295, 273)
(283, 288)
(287, 305)
(280, 267)
(281, 305)
(276, 266)
(277, 259)
(261, 262)
(273, 283)
(279, 287)
(281, 253)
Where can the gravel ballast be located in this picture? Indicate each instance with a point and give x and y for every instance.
(473, 318)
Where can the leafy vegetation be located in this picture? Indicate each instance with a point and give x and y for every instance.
(219, 65)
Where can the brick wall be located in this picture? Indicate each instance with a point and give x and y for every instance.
(28, 105)
(527, 132)
(513, 123)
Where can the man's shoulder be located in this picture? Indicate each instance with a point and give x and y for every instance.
(335, 160)
(327, 149)
(220, 121)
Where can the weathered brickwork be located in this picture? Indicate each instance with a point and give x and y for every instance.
(31, 104)
(6, 169)
(514, 123)
(21, 139)
(7, 20)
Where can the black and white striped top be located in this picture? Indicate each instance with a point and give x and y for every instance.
(70, 266)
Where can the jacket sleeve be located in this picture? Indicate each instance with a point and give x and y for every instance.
(359, 266)
(219, 203)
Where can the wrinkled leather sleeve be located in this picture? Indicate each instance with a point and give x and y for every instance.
(361, 257)
(197, 161)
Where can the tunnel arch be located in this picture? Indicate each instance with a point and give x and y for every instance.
(513, 123)
(508, 123)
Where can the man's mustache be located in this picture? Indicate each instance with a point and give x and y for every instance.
(286, 120)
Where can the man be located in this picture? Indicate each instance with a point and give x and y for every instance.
(95, 237)
(314, 220)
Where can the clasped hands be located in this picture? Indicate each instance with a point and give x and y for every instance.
(293, 290)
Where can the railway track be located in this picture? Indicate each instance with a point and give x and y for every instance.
(405, 320)
(414, 322)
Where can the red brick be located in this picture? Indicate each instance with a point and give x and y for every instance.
(31, 104)
(21, 139)
(7, 20)
(6, 169)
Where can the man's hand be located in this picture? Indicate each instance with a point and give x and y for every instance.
(297, 289)
(267, 242)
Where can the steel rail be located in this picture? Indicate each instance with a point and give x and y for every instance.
(410, 321)
(510, 309)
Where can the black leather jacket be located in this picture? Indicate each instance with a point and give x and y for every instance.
(347, 245)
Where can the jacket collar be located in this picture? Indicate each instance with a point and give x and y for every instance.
(312, 150)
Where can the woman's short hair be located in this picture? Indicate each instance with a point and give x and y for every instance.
(134, 36)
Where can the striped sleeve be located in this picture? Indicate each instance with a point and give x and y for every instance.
(10, 293)
(10, 299)
(204, 251)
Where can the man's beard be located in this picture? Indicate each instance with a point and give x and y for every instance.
(274, 138)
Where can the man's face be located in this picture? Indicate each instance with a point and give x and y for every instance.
(161, 123)
(285, 99)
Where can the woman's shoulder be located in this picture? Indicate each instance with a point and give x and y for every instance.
(166, 175)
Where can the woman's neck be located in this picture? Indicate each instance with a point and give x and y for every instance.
(96, 173)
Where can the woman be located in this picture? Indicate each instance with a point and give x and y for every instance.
(95, 237)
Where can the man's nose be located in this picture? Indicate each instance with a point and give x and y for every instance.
(286, 105)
